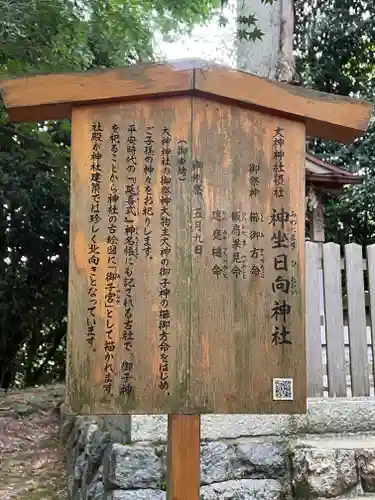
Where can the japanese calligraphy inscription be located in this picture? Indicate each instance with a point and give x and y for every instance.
(186, 286)
(247, 311)
(128, 270)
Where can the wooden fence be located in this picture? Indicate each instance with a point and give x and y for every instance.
(340, 309)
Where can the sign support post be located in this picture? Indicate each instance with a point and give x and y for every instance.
(183, 457)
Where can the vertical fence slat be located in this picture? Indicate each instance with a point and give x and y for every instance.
(357, 320)
(334, 320)
(371, 280)
(313, 337)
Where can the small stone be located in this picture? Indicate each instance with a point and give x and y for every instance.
(245, 458)
(216, 462)
(138, 495)
(245, 489)
(130, 467)
(323, 472)
(260, 458)
(74, 491)
(366, 466)
(77, 437)
(86, 429)
(79, 466)
(66, 429)
(89, 457)
(118, 427)
(97, 442)
(95, 491)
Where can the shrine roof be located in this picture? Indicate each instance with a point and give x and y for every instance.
(329, 177)
(37, 97)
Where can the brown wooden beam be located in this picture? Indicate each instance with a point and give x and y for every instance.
(329, 116)
(183, 457)
(52, 96)
(45, 97)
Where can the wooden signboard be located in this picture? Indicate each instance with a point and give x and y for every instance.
(186, 259)
(186, 288)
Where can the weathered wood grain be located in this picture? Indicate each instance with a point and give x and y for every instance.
(183, 457)
(45, 97)
(232, 359)
(85, 373)
(326, 115)
(220, 352)
(53, 96)
(334, 320)
(313, 335)
(357, 320)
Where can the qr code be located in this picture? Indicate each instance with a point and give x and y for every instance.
(283, 389)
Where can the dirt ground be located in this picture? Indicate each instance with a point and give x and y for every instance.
(32, 463)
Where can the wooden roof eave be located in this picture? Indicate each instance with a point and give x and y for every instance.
(46, 97)
(52, 96)
(332, 170)
(331, 185)
(334, 179)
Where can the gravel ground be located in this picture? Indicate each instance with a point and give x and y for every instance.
(32, 462)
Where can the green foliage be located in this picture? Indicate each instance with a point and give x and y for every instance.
(351, 218)
(43, 35)
(255, 34)
(34, 195)
(334, 43)
(46, 36)
(248, 26)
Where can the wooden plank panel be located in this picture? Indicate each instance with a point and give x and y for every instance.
(371, 280)
(326, 115)
(313, 335)
(357, 320)
(334, 320)
(177, 338)
(237, 321)
(141, 305)
(183, 457)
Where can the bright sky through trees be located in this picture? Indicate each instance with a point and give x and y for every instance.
(211, 42)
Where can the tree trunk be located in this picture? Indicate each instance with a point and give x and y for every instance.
(32, 377)
(7, 373)
(272, 57)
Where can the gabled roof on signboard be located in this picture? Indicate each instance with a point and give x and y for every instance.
(47, 97)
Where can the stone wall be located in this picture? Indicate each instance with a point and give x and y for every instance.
(328, 453)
